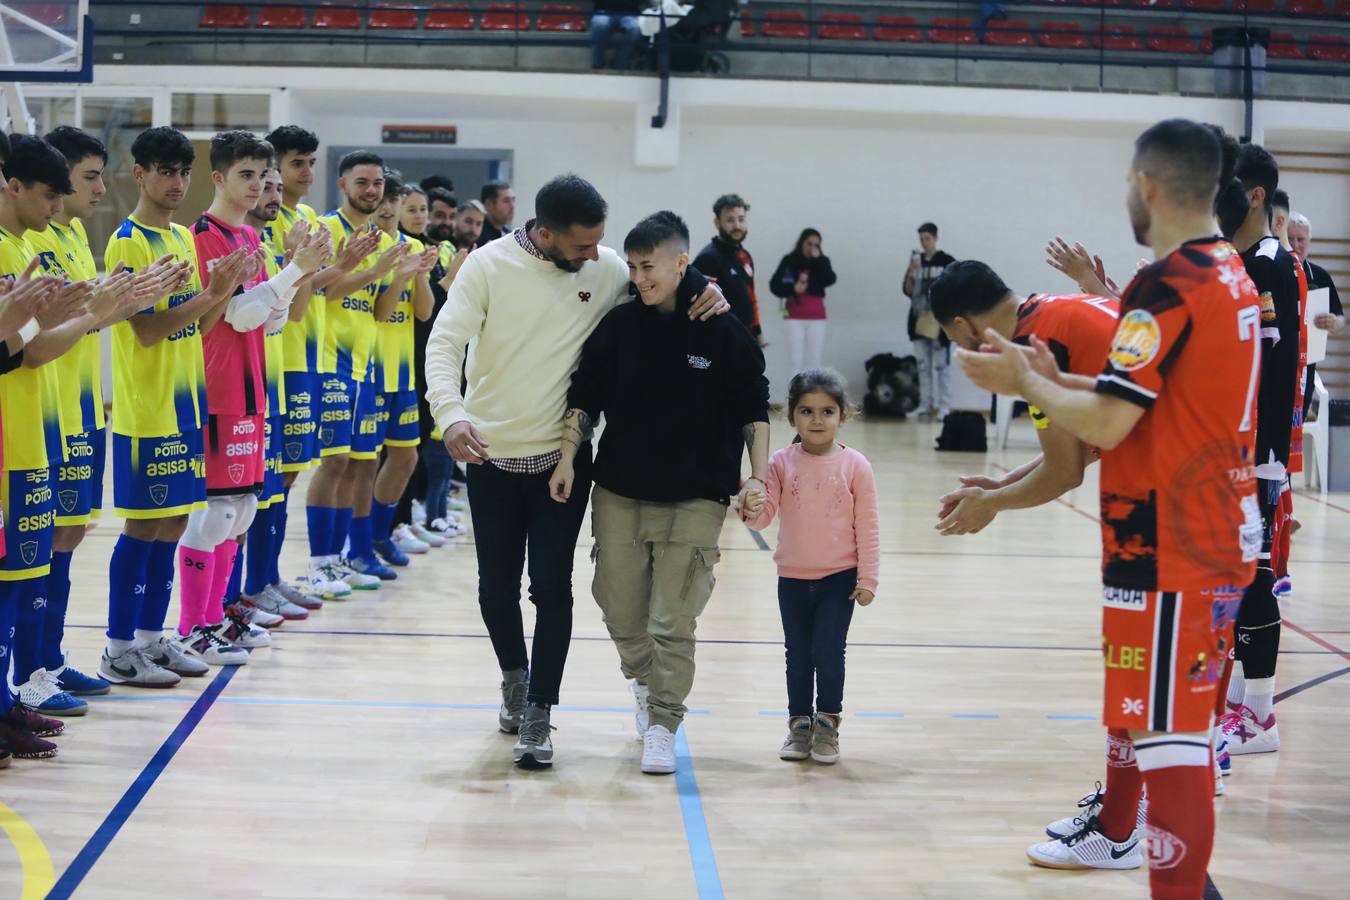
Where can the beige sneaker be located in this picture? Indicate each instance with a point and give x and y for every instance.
(825, 740)
(798, 743)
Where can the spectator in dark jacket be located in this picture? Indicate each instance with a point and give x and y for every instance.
(726, 262)
(499, 202)
(931, 345)
(800, 281)
(611, 16)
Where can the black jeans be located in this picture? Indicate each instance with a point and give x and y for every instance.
(510, 514)
(816, 615)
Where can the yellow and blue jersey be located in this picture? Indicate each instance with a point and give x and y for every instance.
(302, 341)
(273, 353)
(30, 399)
(349, 333)
(394, 338)
(64, 250)
(159, 390)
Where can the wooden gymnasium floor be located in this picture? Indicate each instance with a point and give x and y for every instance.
(360, 758)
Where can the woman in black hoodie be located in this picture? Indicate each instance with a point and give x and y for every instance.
(800, 280)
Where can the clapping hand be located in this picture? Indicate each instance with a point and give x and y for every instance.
(1085, 269)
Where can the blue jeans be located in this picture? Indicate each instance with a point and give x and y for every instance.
(437, 462)
(816, 615)
(604, 24)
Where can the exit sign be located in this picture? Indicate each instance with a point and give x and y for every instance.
(419, 134)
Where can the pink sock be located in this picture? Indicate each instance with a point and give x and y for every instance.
(225, 554)
(196, 569)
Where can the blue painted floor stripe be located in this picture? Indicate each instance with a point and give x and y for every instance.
(98, 843)
(974, 715)
(706, 878)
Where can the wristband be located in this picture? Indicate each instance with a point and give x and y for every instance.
(30, 330)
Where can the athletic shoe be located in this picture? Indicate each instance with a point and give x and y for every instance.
(1088, 848)
(1219, 787)
(419, 512)
(515, 687)
(1222, 759)
(370, 566)
(274, 603)
(643, 719)
(75, 682)
(167, 654)
(1283, 586)
(825, 740)
(390, 552)
(323, 579)
(431, 539)
(534, 747)
(408, 542)
(1250, 736)
(22, 716)
(296, 594)
(658, 751)
(21, 743)
(137, 668)
(798, 744)
(1090, 806)
(356, 580)
(449, 528)
(248, 607)
(42, 693)
(455, 503)
(206, 645)
(236, 629)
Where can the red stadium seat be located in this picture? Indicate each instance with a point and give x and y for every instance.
(281, 17)
(1154, 4)
(1328, 48)
(1120, 37)
(747, 24)
(505, 17)
(1008, 33)
(1284, 45)
(337, 17)
(449, 18)
(1306, 7)
(1254, 7)
(220, 15)
(1205, 5)
(897, 28)
(1167, 39)
(789, 25)
(1063, 36)
(394, 16)
(563, 18)
(842, 27)
(1343, 9)
(951, 31)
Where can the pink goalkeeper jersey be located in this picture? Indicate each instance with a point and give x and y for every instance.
(236, 367)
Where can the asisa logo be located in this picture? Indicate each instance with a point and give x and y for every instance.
(1165, 849)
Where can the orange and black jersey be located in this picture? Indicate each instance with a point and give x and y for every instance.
(1274, 271)
(1178, 498)
(1076, 327)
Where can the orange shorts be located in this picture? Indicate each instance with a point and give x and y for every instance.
(1164, 655)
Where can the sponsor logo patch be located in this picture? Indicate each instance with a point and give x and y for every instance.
(1136, 342)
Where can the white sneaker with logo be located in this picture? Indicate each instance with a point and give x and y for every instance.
(323, 581)
(1088, 848)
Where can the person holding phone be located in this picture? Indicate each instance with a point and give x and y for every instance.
(800, 281)
(931, 346)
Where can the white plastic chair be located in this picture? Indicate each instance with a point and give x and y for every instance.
(1320, 457)
(1003, 410)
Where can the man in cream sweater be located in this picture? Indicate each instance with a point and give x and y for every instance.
(521, 308)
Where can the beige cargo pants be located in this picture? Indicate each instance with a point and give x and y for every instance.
(653, 577)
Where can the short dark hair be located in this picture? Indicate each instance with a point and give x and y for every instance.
(4, 147)
(1257, 168)
(928, 228)
(76, 145)
(230, 147)
(1184, 157)
(34, 161)
(441, 195)
(393, 184)
(569, 200)
(359, 158)
(655, 231)
(827, 381)
(729, 201)
(437, 181)
(492, 189)
(966, 288)
(1280, 200)
(293, 139)
(162, 145)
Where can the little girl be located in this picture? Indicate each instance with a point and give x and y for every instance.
(829, 553)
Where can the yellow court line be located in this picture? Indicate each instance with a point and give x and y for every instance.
(38, 875)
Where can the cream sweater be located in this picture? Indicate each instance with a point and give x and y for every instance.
(523, 321)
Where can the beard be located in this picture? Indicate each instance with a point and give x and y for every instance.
(363, 207)
(440, 233)
(566, 264)
(734, 237)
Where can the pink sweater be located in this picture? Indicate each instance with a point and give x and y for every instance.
(828, 506)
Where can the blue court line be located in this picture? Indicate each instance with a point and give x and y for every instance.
(98, 843)
(974, 715)
(706, 878)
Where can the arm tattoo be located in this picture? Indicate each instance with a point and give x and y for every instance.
(748, 433)
(584, 427)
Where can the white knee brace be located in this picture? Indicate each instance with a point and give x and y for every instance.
(224, 518)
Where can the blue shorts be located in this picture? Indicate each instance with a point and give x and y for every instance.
(300, 424)
(337, 400)
(372, 418)
(273, 487)
(79, 480)
(158, 477)
(402, 430)
(30, 518)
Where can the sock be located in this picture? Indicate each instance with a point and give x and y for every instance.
(1221, 695)
(147, 636)
(126, 588)
(196, 572)
(58, 599)
(1177, 771)
(1260, 697)
(342, 526)
(279, 516)
(361, 543)
(8, 601)
(1237, 685)
(158, 586)
(1124, 784)
(30, 620)
(382, 519)
(226, 553)
(117, 646)
(320, 529)
(258, 552)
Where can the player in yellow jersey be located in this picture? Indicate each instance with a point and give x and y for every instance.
(159, 408)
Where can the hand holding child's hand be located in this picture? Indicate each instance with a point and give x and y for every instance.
(751, 499)
(863, 596)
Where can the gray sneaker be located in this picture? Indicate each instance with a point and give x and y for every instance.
(515, 686)
(798, 743)
(135, 669)
(167, 654)
(297, 596)
(825, 740)
(273, 601)
(534, 747)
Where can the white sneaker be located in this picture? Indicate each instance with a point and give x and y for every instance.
(1088, 848)
(323, 580)
(204, 644)
(419, 512)
(1246, 735)
(1089, 807)
(640, 696)
(43, 693)
(405, 540)
(430, 538)
(357, 581)
(658, 751)
(1219, 787)
(237, 630)
(448, 527)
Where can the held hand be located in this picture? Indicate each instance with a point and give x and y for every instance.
(914, 263)
(997, 367)
(466, 444)
(751, 498)
(560, 482)
(709, 303)
(968, 511)
(862, 596)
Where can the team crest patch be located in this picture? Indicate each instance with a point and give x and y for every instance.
(236, 472)
(68, 499)
(159, 493)
(699, 362)
(326, 437)
(1136, 342)
(293, 449)
(28, 552)
(1165, 849)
